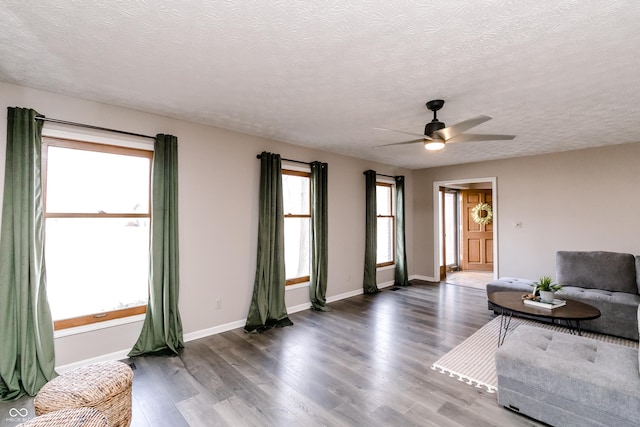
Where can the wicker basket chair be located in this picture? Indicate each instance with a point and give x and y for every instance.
(76, 417)
(104, 386)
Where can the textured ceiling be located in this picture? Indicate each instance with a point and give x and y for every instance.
(559, 74)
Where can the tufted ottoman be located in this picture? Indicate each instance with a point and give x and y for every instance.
(568, 380)
(76, 417)
(104, 386)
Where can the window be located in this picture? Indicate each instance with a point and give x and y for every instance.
(386, 224)
(296, 187)
(97, 230)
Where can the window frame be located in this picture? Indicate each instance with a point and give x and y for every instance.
(285, 171)
(393, 223)
(76, 144)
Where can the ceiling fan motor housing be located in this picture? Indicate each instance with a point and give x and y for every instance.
(432, 127)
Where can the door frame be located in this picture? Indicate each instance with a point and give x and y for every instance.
(437, 218)
(442, 245)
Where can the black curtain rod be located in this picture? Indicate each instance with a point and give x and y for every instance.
(381, 174)
(259, 156)
(64, 122)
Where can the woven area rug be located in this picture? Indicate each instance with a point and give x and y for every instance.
(472, 361)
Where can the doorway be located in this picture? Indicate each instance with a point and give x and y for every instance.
(467, 240)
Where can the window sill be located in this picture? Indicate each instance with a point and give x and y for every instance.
(97, 326)
(297, 286)
(386, 267)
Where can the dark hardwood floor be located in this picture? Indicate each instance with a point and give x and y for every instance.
(367, 362)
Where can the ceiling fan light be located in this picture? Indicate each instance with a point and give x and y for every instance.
(434, 144)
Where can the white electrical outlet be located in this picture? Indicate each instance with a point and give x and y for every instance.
(218, 303)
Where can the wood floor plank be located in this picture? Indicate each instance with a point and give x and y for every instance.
(161, 411)
(198, 411)
(423, 416)
(390, 417)
(354, 415)
(463, 415)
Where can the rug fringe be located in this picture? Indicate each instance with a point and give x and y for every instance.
(462, 377)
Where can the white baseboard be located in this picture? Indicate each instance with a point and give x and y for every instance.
(118, 355)
(203, 333)
(299, 307)
(345, 295)
(425, 278)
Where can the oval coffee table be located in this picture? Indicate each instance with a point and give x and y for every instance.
(571, 313)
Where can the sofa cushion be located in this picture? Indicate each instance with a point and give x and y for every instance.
(618, 310)
(610, 271)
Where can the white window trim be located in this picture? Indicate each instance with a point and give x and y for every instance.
(295, 167)
(130, 141)
(386, 180)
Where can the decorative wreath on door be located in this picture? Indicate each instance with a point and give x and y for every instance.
(482, 214)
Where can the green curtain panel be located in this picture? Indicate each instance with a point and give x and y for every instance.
(369, 284)
(162, 328)
(27, 358)
(401, 277)
(267, 307)
(319, 237)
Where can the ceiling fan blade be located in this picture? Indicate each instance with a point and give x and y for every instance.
(451, 131)
(468, 137)
(400, 143)
(406, 133)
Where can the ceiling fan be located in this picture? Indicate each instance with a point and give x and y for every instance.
(436, 135)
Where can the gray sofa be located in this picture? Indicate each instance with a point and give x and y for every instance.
(609, 281)
(569, 380)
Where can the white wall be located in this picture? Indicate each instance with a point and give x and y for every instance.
(576, 200)
(218, 197)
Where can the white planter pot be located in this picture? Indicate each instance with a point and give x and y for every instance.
(546, 296)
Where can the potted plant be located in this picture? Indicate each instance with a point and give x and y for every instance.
(546, 288)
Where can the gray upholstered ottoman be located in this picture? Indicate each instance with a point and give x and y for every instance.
(568, 380)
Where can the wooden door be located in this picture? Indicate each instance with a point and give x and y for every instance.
(477, 239)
